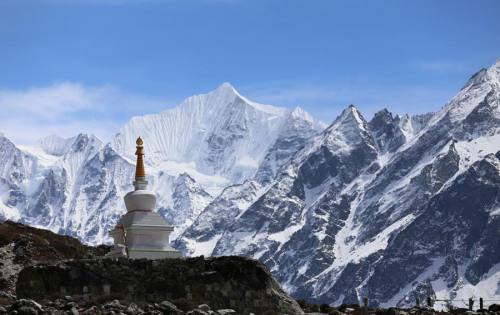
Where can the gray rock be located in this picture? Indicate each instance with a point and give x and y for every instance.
(70, 305)
(494, 308)
(7, 296)
(169, 308)
(226, 311)
(114, 304)
(27, 310)
(204, 307)
(91, 311)
(26, 303)
(133, 309)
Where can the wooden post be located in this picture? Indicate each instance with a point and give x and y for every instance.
(429, 301)
(417, 302)
(471, 303)
(365, 302)
(481, 304)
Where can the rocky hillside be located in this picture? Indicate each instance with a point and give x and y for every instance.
(237, 283)
(22, 246)
(45, 273)
(41, 265)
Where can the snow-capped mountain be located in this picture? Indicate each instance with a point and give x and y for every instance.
(395, 209)
(75, 185)
(219, 138)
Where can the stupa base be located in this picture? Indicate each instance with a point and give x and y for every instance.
(137, 253)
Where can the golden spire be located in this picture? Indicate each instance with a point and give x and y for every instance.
(140, 173)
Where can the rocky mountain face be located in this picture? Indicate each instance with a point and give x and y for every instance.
(393, 208)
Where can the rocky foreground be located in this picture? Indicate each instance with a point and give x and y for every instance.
(45, 273)
(70, 306)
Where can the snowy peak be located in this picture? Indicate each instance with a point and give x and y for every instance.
(5, 142)
(477, 78)
(220, 133)
(348, 129)
(58, 146)
(351, 113)
(15, 165)
(299, 114)
(494, 74)
(386, 131)
(55, 145)
(225, 94)
(490, 75)
(482, 84)
(84, 142)
(227, 89)
(82, 148)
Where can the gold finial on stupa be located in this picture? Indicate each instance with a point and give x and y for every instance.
(139, 141)
(140, 173)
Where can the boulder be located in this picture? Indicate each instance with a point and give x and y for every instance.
(494, 308)
(204, 307)
(169, 308)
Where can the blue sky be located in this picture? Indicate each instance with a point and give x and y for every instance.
(89, 65)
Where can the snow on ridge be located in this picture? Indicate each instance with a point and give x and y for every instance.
(55, 145)
(227, 87)
(299, 113)
(45, 159)
(221, 132)
(475, 90)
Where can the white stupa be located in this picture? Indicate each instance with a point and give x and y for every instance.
(141, 232)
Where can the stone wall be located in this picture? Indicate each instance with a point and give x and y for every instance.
(222, 282)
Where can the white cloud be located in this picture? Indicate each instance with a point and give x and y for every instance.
(67, 109)
(49, 102)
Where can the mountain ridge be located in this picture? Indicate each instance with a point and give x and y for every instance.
(326, 210)
(314, 245)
